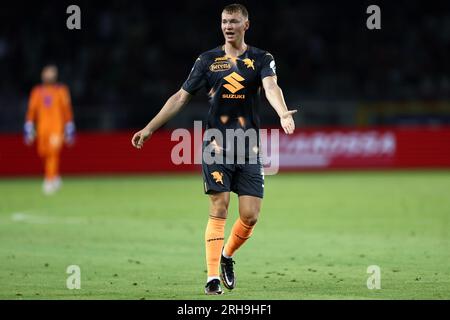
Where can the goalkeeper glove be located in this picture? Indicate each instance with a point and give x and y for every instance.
(29, 133)
(69, 132)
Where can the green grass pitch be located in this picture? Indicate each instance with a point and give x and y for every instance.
(141, 237)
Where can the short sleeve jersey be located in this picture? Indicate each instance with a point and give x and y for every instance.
(233, 86)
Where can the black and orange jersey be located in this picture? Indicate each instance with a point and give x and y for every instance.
(233, 85)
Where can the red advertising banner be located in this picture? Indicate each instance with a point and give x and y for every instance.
(369, 148)
(94, 153)
(311, 149)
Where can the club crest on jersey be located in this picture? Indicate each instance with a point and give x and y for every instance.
(220, 66)
(249, 63)
(48, 101)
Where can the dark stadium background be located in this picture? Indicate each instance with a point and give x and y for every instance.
(130, 56)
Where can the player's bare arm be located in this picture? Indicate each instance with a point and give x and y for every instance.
(172, 106)
(275, 97)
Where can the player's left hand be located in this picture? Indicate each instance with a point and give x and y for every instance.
(69, 133)
(287, 122)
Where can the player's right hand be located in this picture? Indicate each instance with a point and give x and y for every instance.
(29, 133)
(140, 137)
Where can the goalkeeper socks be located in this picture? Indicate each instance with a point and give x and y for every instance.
(239, 234)
(214, 239)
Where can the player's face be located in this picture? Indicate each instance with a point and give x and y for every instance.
(234, 26)
(49, 74)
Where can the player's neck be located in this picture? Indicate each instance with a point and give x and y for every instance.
(235, 49)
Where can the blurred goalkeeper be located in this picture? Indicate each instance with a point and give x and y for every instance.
(49, 119)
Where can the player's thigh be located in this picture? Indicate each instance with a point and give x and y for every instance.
(249, 209)
(218, 204)
(217, 177)
(55, 141)
(49, 144)
(248, 180)
(42, 144)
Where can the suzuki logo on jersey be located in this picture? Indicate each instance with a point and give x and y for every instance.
(233, 85)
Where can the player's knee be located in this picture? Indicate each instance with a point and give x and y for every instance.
(249, 216)
(219, 206)
(219, 211)
(249, 213)
(249, 220)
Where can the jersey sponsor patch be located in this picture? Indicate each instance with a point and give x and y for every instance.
(224, 58)
(220, 66)
(234, 82)
(233, 96)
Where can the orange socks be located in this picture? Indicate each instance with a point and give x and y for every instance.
(239, 234)
(214, 238)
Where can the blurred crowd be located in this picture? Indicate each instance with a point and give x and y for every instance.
(129, 56)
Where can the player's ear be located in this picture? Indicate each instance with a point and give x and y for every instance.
(247, 25)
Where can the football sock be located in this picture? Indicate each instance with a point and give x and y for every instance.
(239, 234)
(51, 166)
(214, 238)
(212, 278)
(225, 255)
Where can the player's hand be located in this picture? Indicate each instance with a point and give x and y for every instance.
(140, 137)
(69, 133)
(29, 133)
(29, 141)
(287, 122)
